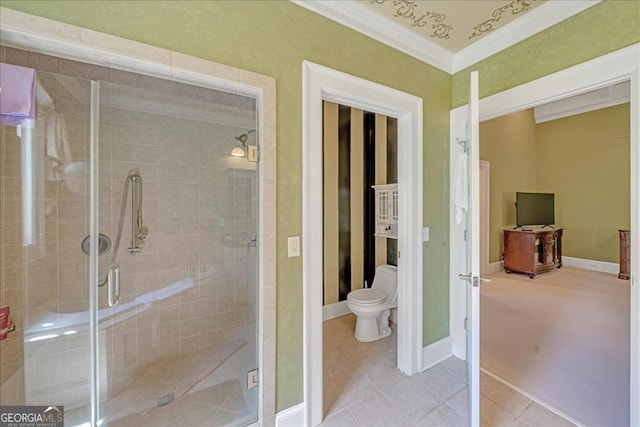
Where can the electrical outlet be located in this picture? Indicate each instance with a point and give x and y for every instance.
(293, 246)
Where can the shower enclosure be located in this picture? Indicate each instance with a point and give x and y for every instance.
(128, 249)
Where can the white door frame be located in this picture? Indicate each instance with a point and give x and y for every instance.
(321, 83)
(615, 67)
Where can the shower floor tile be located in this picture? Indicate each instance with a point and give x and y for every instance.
(202, 388)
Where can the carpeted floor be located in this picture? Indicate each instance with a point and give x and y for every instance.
(562, 337)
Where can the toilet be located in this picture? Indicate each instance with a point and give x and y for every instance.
(372, 306)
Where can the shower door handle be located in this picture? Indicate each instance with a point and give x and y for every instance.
(113, 284)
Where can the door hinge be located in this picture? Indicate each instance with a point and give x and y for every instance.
(398, 254)
(465, 235)
(252, 379)
(465, 323)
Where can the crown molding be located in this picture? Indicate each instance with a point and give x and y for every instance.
(374, 25)
(535, 21)
(362, 19)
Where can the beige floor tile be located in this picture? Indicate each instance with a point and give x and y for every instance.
(411, 400)
(363, 387)
(332, 407)
(456, 367)
(340, 419)
(357, 390)
(459, 403)
(503, 396)
(391, 355)
(439, 382)
(442, 416)
(491, 415)
(383, 373)
(378, 411)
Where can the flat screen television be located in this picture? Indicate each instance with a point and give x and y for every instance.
(535, 209)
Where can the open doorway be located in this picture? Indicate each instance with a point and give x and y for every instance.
(609, 69)
(546, 336)
(321, 83)
(359, 154)
(360, 175)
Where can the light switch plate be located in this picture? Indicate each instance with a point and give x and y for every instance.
(425, 234)
(252, 153)
(293, 246)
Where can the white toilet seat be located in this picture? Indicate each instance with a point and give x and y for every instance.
(372, 306)
(366, 297)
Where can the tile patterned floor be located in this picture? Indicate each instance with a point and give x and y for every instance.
(362, 387)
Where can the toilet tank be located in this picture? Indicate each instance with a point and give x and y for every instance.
(386, 280)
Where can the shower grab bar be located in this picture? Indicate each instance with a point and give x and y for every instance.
(113, 282)
(136, 214)
(137, 229)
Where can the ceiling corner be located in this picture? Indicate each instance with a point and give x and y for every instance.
(373, 25)
(358, 17)
(532, 23)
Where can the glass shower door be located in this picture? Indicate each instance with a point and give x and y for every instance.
(158, 325)
(44, 195)
(177, 347)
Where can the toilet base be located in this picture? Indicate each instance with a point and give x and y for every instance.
(372, 328)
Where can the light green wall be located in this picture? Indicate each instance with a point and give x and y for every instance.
(509, 145)
(585, 161)
(603, 28)
(273, 38)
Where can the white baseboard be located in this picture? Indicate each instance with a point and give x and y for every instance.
(291, 417)
(495, 267)
(436, 353)
(589, 264)
(337, 309)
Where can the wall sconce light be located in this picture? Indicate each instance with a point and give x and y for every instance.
(237, 152)
(242, 140)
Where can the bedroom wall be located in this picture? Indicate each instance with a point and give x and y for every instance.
(509, 144)
(584, 159)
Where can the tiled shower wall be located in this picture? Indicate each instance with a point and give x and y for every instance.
(199, 204)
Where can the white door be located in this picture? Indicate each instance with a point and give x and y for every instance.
(471, 276)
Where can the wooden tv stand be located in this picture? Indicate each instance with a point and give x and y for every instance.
(532, 251)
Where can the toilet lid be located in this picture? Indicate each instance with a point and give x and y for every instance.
(367, 296)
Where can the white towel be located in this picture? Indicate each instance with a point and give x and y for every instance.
(460, 194)
(57, 147)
